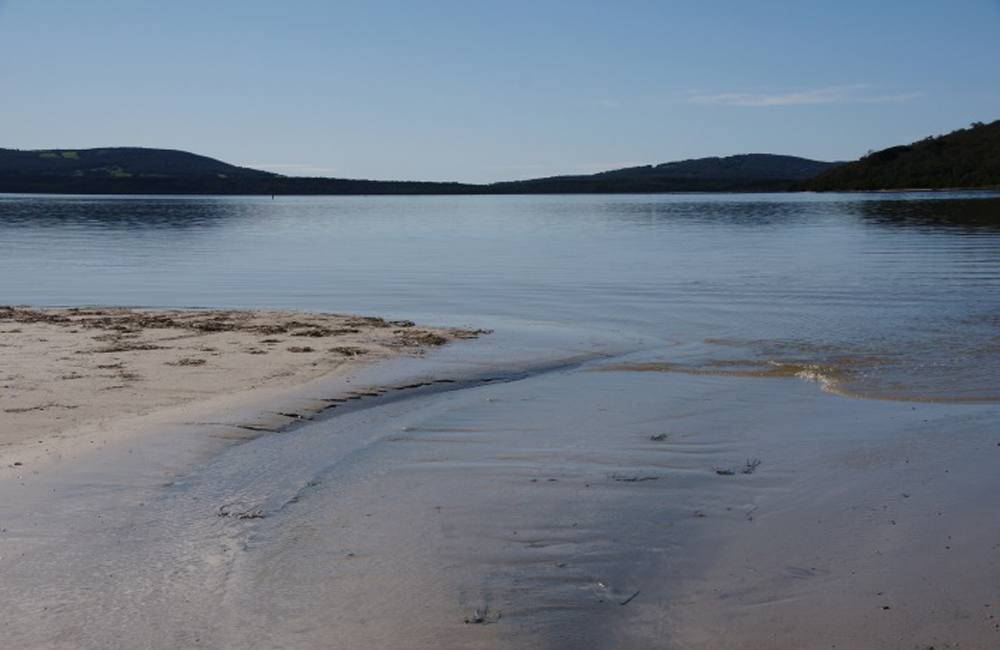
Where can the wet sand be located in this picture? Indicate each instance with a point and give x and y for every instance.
(550, 507)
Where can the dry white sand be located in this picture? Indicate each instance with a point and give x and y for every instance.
(68, 374)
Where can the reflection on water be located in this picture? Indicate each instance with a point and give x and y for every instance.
(906, 283)
(962, 214)
(117, 214)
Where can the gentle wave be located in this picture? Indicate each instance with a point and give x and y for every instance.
(847, 377)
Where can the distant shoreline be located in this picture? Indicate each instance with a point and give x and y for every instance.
(934, 190)
(375, 188)
(137, 170)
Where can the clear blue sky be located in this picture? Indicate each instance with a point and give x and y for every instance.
(478, 91)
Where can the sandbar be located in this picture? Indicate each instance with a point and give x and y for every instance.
(68, 373)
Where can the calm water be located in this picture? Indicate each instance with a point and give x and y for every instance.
(887, 296)
(572, 503)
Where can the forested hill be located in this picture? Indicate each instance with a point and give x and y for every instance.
(117, 162)
(963, 159)
(133, 170)
(137, 170)
(742, 173)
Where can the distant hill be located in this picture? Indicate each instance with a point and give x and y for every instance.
(117, 162)
(123, 170)
(742, 173)
(963, 159)
(135, 170)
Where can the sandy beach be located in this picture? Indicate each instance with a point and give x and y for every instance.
(521, 513)
(70, 374)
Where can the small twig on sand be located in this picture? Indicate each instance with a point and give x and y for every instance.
(749, 468)
(629, 599)
(228, 511)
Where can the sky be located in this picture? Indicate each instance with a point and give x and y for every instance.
(482, 91)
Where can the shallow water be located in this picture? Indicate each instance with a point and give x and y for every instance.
(582, 502)
(877, 295)
(579, 506)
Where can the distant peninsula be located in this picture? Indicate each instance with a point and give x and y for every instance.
(135, 170)
(742, 173)
(963, 159)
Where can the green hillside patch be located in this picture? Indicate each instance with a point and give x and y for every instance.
(116, 172)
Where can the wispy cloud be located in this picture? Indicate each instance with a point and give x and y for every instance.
(293, 169)
(851, 94)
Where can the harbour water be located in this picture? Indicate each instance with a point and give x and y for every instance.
(667, 377)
